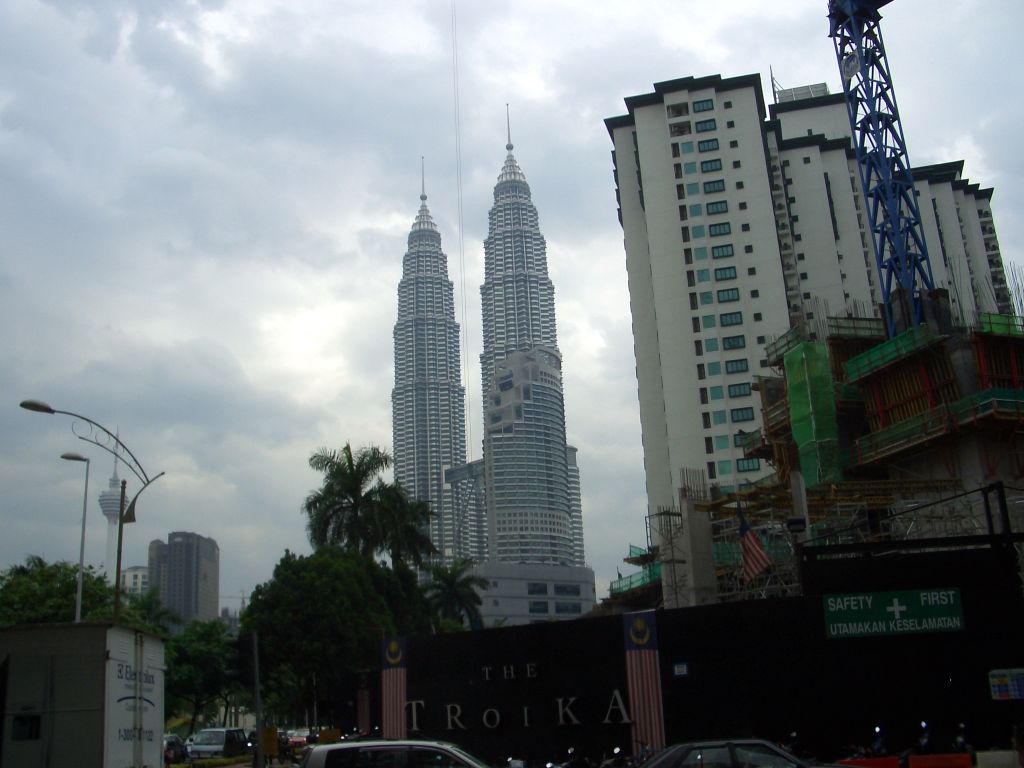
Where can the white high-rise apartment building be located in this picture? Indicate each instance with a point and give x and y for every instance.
(428, 401)
(739, 223)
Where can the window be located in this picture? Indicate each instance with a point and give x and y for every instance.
(725, 273)
(748, 249)
(680, 191)
(757, 317)
(807, 161)
(718, 230)
(708, 145)
(730, 124)
(736, 164)
(741, 414)
(26, 727)
(706, 166)
(721, 251)
(567, 590)
(680, 129)
(693, 301)
(538, 606)
(739, 185)
(725, 467)
(682, 213)
(698, 230)
(760, 340)
(568, 608)
(685, 232)
(688, 255)
(704, 105)
(745, 227)
(708, 321)
(736, 366)
(703, 393)
(696, 324)
(536, 588)
(711, 345)
(714, 369)
(695, 209)
(739, 438)
(705, 418)
(751, 270)
(728, 105)
(698, 347)
(721, 442)
(686, 147)
(701, 253)
(689, 167)
(733, 144)
(719, 206)
(743, 205)
(703, 126)
(718, 185)
(693, 188)
(718, 417)
(754, 294)
(679, 170)
(728, 294)
(691, 278)
(675, 150)
(731, 318)
(711, 476)
(734, 342)
(678, 110)
(803, 275)
(703, 275)
(748, 465)
(739, 390)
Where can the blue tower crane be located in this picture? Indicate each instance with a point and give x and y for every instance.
(897, 238)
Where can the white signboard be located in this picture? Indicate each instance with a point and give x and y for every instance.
(134, 700)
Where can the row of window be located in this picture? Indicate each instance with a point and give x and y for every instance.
(736, 415)
(717, 393)
(541, 588)
(724, 467)
(738, 365)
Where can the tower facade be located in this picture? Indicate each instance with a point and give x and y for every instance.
(428, 409)
(741, 222)
(526, 461)
(186, 570)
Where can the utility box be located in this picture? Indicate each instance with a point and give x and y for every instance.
(88, 695)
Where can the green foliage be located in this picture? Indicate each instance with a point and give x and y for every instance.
(41, 593)
(454, 595)
(197, 663)
(145, 611)
(318, 621)
(357, 510)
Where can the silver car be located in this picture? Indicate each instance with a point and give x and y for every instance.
(390, 754)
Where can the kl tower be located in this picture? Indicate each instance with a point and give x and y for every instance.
(110, 504)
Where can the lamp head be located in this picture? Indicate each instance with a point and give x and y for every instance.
(74, 457)
(38, 406)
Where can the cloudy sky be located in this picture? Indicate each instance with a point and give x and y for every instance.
(204, 208)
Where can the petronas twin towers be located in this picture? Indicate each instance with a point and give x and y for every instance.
(521, 503)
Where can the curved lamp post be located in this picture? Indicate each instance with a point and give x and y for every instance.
(81, 545)
(112, 444)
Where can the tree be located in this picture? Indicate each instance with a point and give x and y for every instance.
(344, 510)
(197, 664)
(150, 613)
(454, 594)
(357, 510)
(320, 620)
(41, 593)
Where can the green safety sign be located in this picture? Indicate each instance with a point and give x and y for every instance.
(910, 612)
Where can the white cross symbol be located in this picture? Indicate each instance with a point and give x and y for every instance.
(896, 609)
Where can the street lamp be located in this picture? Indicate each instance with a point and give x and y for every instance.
(81, 545)
(113, 445)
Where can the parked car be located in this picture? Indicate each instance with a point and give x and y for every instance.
(389, 754)
(218, 742)
(174, 749)
(726, 753)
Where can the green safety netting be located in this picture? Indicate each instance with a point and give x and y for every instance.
(812, 412)
(889, 351)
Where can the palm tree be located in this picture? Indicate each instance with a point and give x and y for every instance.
(356, 509)
(344, 510)
(454, 593)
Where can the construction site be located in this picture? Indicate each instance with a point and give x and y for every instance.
(895, 432)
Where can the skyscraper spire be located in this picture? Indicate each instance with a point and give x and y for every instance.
(428, 400)
(508, 127)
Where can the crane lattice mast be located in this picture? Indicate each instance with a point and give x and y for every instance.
(897, 237)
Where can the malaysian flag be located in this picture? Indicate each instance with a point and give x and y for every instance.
(643, 680)
(753, 558)
(392, 688)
